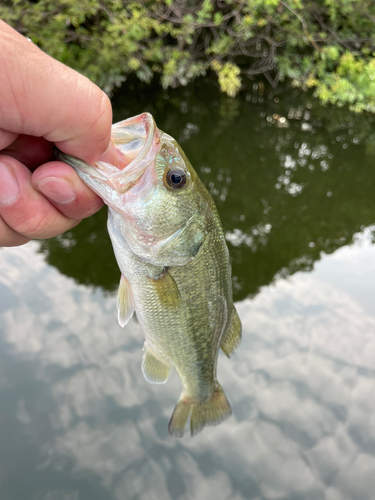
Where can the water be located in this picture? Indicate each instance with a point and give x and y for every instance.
(294, 185)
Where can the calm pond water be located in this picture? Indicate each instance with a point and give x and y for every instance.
(294, 183)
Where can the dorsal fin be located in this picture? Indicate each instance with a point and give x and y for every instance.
(232, 337)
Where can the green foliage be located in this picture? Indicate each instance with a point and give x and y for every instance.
(328, 45)
(228, 75)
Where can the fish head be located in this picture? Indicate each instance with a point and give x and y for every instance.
(154, 193)
(164, 215)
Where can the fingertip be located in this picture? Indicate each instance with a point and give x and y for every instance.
(89, 132)
(110, 156)
(97, 131)
(59, 183)
(29, 214)
(9, 186)
(58, 190)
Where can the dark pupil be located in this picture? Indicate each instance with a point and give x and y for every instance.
(176, 179)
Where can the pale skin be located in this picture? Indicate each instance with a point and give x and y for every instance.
(44, 103)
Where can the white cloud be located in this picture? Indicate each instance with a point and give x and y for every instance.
(301, 387)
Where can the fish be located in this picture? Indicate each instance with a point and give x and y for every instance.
(175, 268)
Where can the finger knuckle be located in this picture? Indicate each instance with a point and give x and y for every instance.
(14, 240)
(103, 112)
(9, 237)
(35, 226)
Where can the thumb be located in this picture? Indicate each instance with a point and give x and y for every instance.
(44, 98)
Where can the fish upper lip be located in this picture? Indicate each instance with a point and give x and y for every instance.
(152, 135)
(122, 180)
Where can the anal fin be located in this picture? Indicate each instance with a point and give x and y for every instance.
(154, 370)
(232, 338)
(125, 301)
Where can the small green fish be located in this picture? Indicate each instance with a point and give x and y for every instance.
(170, 248)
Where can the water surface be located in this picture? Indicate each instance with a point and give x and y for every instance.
(294, 185)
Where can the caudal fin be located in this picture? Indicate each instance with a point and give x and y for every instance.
(212, 411)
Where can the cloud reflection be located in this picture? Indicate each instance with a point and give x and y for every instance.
(301, 387)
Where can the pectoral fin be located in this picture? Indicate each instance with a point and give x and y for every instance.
(125, 301)
(166, 289)
(232, 338)
(154, 370)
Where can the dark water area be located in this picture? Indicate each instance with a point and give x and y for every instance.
(294, 184)
(291, 179)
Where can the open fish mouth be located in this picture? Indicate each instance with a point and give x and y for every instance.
(134, 138)
(137, 141)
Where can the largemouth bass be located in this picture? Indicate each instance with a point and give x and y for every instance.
(170, 247)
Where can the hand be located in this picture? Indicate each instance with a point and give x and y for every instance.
(42, 103)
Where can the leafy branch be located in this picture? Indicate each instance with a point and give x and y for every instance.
(328, 45)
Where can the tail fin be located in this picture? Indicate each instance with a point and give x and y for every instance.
(212, 411)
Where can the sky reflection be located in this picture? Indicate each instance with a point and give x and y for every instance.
(78, 421)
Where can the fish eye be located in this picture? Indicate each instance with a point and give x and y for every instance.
(176, 178)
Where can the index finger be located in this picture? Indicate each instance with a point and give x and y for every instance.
(41, 97)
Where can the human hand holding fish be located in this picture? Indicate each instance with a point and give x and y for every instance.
(164, 226)
(42, 103)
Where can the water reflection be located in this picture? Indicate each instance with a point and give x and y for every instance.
(290, 178)
(293, 183)
(78, 421)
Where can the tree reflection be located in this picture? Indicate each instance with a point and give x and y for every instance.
(291, 179)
